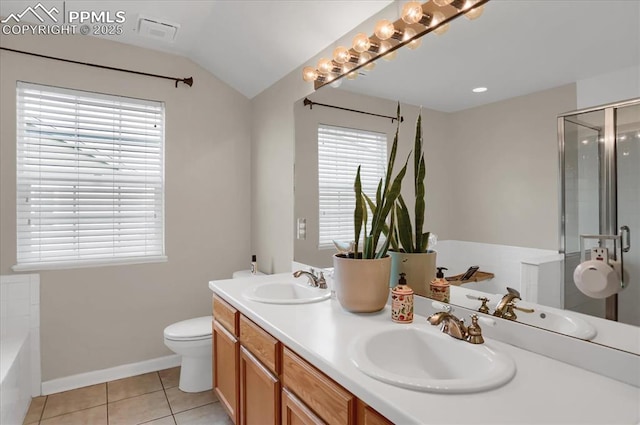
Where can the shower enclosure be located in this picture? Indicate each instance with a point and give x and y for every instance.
(600, 195)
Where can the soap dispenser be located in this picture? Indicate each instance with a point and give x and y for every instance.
(440, 287)
(402, 302)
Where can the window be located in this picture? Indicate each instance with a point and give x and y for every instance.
(340, 151)
(90, 178)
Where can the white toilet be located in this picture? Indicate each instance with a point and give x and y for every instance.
(192, 340)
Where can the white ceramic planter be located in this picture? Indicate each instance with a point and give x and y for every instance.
(362, 286)
(419, 268)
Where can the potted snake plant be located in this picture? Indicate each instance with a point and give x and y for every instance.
(410, 252)
(361, 277)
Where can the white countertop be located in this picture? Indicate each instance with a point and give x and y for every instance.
(543, 391)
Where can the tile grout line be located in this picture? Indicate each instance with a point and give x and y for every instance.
(166, 397)
(46, 398)
(107, 390)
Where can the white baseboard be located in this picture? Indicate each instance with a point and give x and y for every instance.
(105, 375)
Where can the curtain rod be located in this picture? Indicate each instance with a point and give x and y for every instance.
(188, 81)
(308, 102)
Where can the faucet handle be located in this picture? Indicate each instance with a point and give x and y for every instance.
(322, 282)
(484, 308)
(509, 314)
(474, 331)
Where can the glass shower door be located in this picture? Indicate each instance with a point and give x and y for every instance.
(583, 135)
(600, 167)
(628, 205)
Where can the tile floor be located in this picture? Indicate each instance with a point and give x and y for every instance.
(152, 398)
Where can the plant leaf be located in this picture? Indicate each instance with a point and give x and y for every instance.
(358, 213)
(420, 203)
(385, 246)
(425, 242)
(404, 226)
(384, 210)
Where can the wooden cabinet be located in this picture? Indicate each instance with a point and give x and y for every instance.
(260, 382)
(368, 416)
(226, 315)
(226, 349)
(259, 392)
(294, 412)
(226, 352)
(328, 400)
(265, 347)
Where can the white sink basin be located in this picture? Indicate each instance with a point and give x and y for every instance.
(562, 322)
(285, 293)
(420, 357)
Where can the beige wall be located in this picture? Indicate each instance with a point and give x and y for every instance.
(503, 170)
(492, 171)
(102, 317)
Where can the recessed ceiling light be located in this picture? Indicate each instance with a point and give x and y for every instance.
(479, 89)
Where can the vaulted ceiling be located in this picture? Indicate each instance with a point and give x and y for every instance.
(516, 47)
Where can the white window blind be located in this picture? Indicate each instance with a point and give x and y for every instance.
(340, 151)
(90, 178)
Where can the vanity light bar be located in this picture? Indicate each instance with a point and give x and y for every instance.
(417, 20)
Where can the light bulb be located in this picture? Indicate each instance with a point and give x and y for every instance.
(325, 65)
(361, 43)
(442, 29)
(442, 3)
(437, 18)
(409, 33)
(390, 56)
(384, 46)
(347, 69)
(412, 12)
(384, 29)
(364, 58)
(474, 13)
(341, 55)
(309, 74)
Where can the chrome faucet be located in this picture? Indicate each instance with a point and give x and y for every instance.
(507, 304)
(317, 281)
(455, 327)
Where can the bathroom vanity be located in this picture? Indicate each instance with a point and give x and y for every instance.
(294, 363)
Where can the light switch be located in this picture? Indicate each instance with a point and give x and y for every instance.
(302, 228)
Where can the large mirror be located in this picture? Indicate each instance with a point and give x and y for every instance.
(492, 157)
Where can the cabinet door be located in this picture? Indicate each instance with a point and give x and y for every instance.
(226, 350)
(294, 412)
(368, 416)
(259, 392)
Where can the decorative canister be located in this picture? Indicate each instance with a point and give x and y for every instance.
(402, 302)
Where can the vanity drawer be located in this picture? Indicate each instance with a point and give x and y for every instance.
(262, 345)
(225, 314)
(328, 400)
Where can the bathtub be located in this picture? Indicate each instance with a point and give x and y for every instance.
(536, 273)
(19, 345)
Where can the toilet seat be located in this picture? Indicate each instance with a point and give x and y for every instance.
(190, 330)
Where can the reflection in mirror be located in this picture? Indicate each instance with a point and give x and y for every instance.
(492, 158)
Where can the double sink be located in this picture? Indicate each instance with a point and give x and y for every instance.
(429, 360)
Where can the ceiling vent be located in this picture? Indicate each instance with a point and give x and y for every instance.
(157, 30)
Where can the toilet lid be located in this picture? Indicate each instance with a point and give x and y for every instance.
(197, 328)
